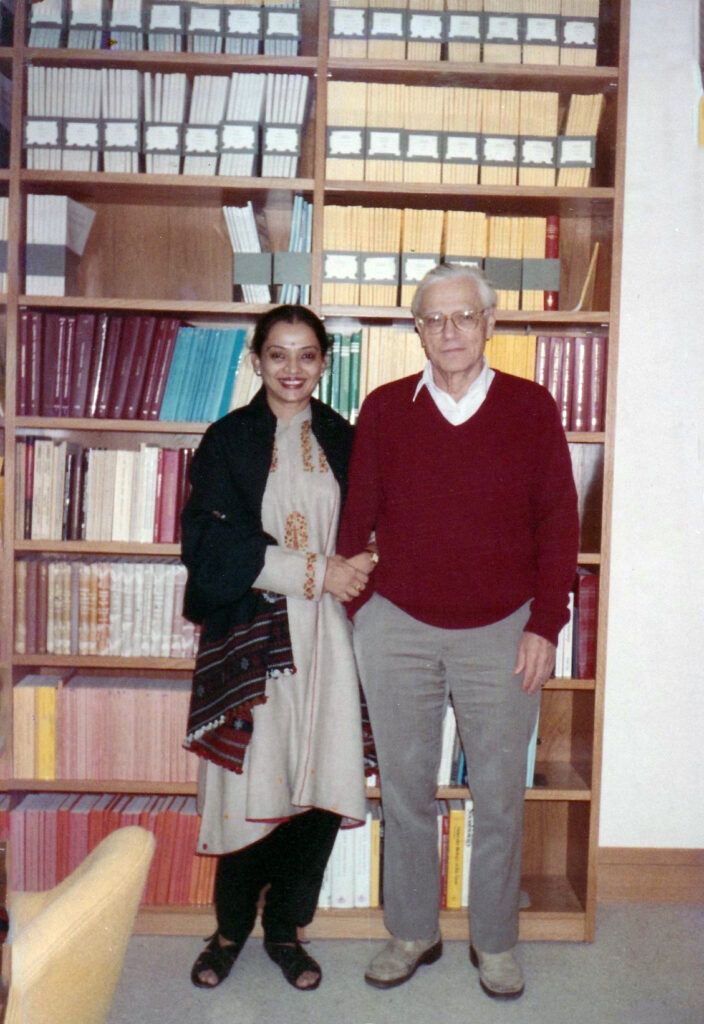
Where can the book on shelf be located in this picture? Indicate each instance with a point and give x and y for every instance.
(588, 473)
(52, 833)
(573, 369)
(56, 226)
(586, 609)
(103, 607)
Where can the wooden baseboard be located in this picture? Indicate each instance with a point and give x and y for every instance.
(647, 875)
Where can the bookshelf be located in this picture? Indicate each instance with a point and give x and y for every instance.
(136, 261)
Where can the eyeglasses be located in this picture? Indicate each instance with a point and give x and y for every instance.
(463, 319)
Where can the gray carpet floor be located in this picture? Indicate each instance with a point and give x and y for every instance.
(645, 967)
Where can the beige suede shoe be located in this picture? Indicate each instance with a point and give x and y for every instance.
(399, 960)
(500, 974)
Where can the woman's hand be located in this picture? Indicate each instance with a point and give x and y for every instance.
(344, 579)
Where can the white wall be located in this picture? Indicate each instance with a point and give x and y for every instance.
(653, 780)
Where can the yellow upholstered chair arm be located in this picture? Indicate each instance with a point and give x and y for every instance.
(68, 944)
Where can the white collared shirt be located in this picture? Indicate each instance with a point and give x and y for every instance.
(457, 412)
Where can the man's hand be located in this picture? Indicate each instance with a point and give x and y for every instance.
(536, 660)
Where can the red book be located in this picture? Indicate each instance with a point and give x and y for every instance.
(125, 353)
(154, 379)
(162, 368)
(566, 385)
(112, 350)
(63, 827)
(168, 512)
(80, 371)
(23, 328)
(34, 364)
(32, 597)
(66, 368)
(53, 361)
(97, 364)
(556, 355)
(580, 383)
(551, 300)
(138, 369)
(586, 609)
(597, 383)
(185, 455)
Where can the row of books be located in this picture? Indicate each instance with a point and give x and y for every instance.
(101, 727)
(394, 132)
(492, 31)
(118, 608)
(354, 873)
(52, 833)
(573, 369)
(376, 256)
(108, 119)
(256, 268)
(452, 769)
(252, 26)
(66, 492)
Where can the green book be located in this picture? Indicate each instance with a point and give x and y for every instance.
(335, 382)
(343, 406)
(355, 359)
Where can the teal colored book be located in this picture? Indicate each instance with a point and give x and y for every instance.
(343, 406)
(532, 750)
(174, 381)
(235, 356)
(355, 359)
(196, 373)
(221, 342)
(335, 381)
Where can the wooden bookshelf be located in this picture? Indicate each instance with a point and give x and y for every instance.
(133, 263)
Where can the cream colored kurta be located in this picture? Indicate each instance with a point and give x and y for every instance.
(306, 749)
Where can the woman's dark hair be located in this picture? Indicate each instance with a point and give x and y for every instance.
(288, 315)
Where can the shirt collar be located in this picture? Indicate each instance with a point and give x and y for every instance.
(479, 386)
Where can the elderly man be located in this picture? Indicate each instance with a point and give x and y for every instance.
(463, 474)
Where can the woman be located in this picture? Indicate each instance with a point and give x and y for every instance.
(275, 708)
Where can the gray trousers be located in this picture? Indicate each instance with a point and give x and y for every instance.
(408, 669)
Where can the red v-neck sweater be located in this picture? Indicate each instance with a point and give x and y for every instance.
(472, 520)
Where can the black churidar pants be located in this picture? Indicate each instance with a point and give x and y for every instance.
(291, 860)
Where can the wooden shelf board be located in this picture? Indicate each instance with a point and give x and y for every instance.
(555, 914)
(529, 319)
(175, 307)
(155, 60)
(514, 199)
(97, 786)
(97, 662)
(105, 547)
(589, 558)
(157, 189)
(505, 76)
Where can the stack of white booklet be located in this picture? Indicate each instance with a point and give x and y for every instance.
(121, 106)
(62, 127)
(286, 97)
(55, 224)
(164, 114)
(206, 113)
(240, 130)
(255, 274)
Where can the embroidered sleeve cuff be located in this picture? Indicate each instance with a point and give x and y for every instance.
(292, 573)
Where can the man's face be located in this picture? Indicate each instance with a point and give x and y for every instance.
(453, 350)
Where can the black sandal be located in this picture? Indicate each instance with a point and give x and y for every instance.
(216, 958)
(294, 961)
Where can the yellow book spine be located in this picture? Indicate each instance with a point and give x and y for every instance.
(23, 732)
(455, 855)
(375, 860)
(45, 737)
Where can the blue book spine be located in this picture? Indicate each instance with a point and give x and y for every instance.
(235, 357)
(174, 380)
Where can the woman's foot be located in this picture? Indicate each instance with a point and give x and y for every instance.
(215, 962)
(298, 968)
